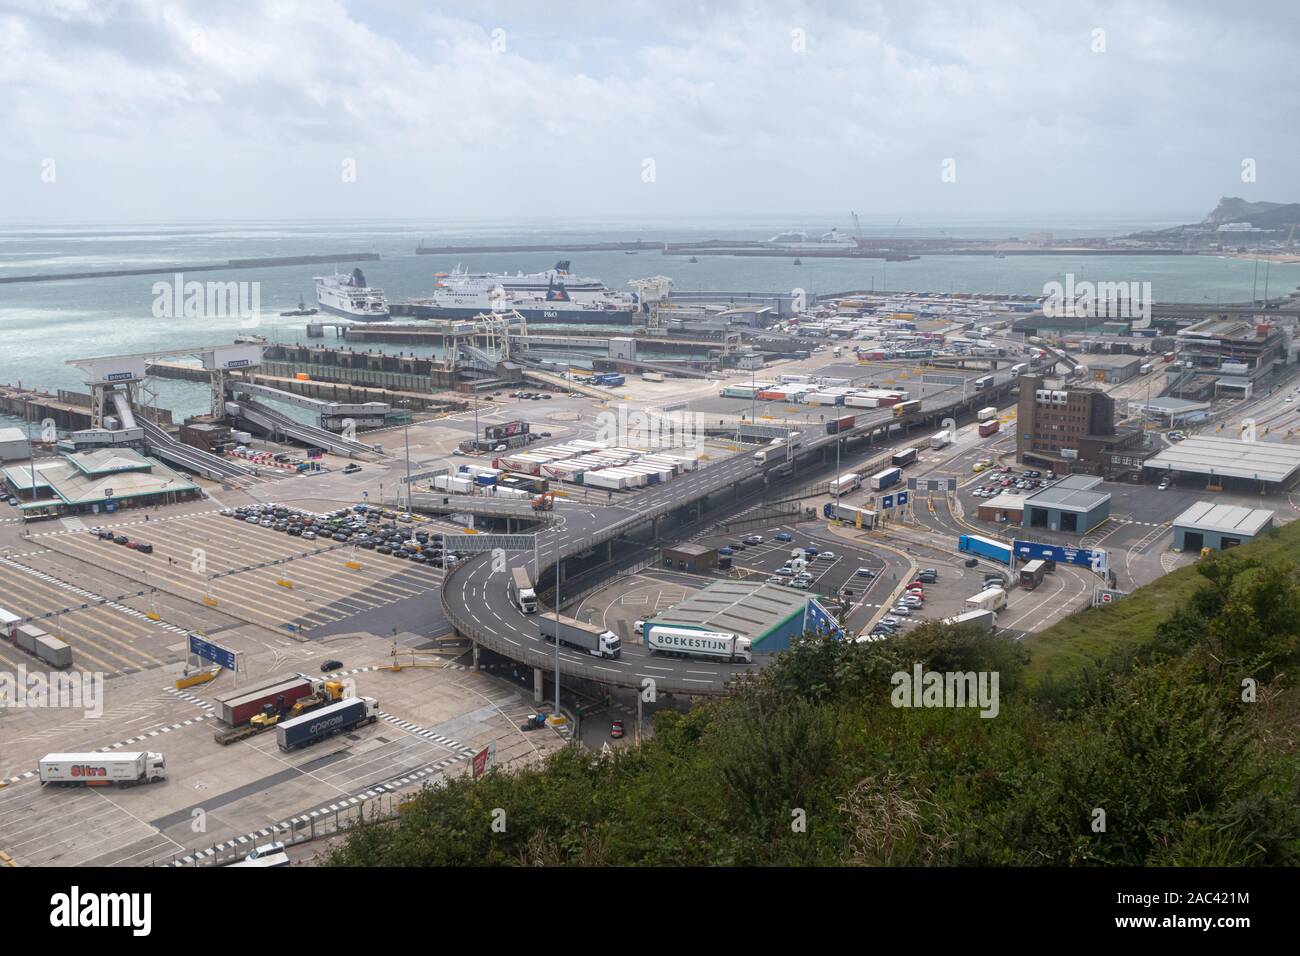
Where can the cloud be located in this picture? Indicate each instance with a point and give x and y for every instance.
(170, 111)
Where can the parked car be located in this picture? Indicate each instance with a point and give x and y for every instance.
(900, 610)
(781, 536)
(121, 539)
(865, 573)
(331, 665)
(825, 555)
(615, 728)
(754, 539)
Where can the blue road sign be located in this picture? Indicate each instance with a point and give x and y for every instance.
(211, 652)
(887, 501)
(1094, 558)
(902, 498)
(820, 621)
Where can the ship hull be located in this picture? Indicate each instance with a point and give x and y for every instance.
(357, 316)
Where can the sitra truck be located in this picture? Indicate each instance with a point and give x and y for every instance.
(586, 637)
(684, 642)
(102, 769)
(522, 594)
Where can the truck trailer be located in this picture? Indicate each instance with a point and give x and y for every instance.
(982, 619)
(843, 485)
(985, 413)
(886, 479)
(837, 425)
(984, 547)
(102, 769)
(907, 408)
(684, 642)
(238, 707)
(326, 722)
(941, 439)
(858, 517)
(988, 428)
(904, 458)
(990, 599)
(587, 637)
(522, 594)
(322, 692)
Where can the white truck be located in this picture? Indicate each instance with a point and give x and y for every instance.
(941, 439)
(983, 619)
(682, 641)
(985, 413)
(843, 485)
(102, 769)
(587, 637)
(991, 599)
(652, 376)
(521, 590)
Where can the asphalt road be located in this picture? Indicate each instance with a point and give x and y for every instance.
(476, 596)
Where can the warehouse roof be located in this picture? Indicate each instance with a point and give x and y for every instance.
(1071, 493)
(738, 607)
(1231, 458)
(1110, 360)
(1224, 519)
(1005, 501)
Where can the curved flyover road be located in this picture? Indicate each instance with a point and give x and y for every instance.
(475, 599)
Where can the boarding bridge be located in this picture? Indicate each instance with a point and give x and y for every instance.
(175, 452)
(326, 409)
(559, 381)
(476, 357)
(277, 423)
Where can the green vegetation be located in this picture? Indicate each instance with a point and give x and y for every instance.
(1095, 634)
(1177, 748)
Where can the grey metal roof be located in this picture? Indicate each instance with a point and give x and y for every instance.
(1224, 519)
(1230, 458)
(739, 607)
(1071, 493)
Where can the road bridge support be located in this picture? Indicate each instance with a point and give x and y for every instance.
(538, 685)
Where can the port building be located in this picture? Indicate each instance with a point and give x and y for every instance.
(1270, 463)
(1218, 527)
(1072, 504)
(770, 615)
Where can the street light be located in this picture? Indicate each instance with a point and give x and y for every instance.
(406, 432)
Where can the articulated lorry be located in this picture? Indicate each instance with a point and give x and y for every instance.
(990, 599)
(102, 769)
(981, 619)
(237, 707)
(586, 637)
(521, 591)
(843, 484)
(326, 722)
(272, 712)
(684, 642)
(984, 547)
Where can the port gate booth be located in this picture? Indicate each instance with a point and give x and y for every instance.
(1071, 505)
(694, 558)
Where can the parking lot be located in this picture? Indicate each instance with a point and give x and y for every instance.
(254, 573)
(433, 717)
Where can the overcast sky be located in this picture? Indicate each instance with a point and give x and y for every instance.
(170, 111)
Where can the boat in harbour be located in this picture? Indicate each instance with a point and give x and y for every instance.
(348, 295)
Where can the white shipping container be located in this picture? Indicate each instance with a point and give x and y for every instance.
(984, 414)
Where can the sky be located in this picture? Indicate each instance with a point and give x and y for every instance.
(145, 110)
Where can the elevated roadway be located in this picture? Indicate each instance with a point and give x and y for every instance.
(474, 595)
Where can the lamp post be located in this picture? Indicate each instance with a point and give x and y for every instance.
(406, 438)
